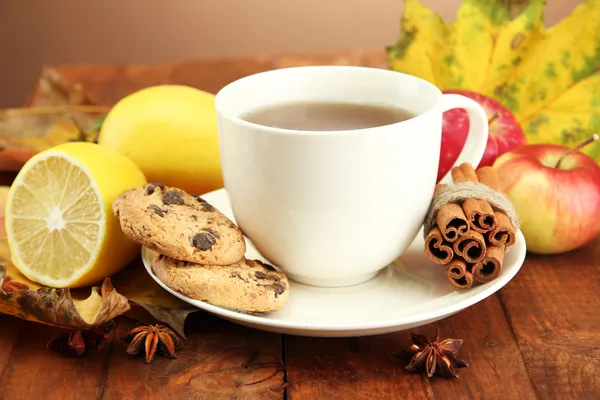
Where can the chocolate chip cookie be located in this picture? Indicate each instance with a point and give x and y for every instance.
(179, 225)
(248, 285)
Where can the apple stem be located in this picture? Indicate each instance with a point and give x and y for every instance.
(587, 141)
(493, 118)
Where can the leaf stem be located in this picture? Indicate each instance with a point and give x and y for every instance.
(587, 141)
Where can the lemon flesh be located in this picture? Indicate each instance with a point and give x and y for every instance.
(59, 225)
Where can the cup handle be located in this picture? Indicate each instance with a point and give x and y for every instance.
(477, 137)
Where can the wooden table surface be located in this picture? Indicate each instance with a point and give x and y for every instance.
(538, 337)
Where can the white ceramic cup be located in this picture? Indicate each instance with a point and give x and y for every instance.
(333, 208)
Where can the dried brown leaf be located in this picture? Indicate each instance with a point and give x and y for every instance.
(54, 89)
(58, 308)
(133, 283)
(26, 131)
(60, 111)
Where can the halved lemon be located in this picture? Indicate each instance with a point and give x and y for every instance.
(59, 225)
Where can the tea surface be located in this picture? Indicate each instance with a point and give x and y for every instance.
(327, 116)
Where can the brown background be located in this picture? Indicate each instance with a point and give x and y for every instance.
(34, 32)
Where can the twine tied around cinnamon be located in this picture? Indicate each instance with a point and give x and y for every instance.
(461, 191)
(469, 226)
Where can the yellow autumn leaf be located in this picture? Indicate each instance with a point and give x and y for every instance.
(547, 77)
(475, 29)
(569, 53)
(512, 45)
(423, 36)
(571, 118)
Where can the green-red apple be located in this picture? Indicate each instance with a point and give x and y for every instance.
(558, 206)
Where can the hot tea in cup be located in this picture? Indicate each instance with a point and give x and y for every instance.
(331, 169)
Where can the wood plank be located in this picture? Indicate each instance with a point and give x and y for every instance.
(220, 360)
(211, 76)
(106, 84)
(554, 308)
(9, 330)
(362, 368)
(36, 373)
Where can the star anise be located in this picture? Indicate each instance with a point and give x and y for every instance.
(9, 286)
(435, 355)
(79, 342)
(152, 339)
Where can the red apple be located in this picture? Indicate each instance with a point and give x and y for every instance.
(558, 202)
(505, 131)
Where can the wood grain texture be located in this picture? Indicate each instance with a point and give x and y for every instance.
(32, 372)
(220, 361)
(364, 368)
(553, 306)
(9, 329)
(106, 84)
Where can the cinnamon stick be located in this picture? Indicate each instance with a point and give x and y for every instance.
(438, 188)
(504, 233)
(458, 274)
(487, 217)
(490, 267)
(471, 247)
(450, 219)
(435, 248)
(489, 178)
(452, 222)
(470, 238)
(464, 173)
(480, 215)
(478, 212)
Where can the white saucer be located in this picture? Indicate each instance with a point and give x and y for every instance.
(411, 292)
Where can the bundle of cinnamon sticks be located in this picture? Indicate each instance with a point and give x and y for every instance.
(470, 237)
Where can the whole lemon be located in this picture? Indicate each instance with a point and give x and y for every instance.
(170, 133)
